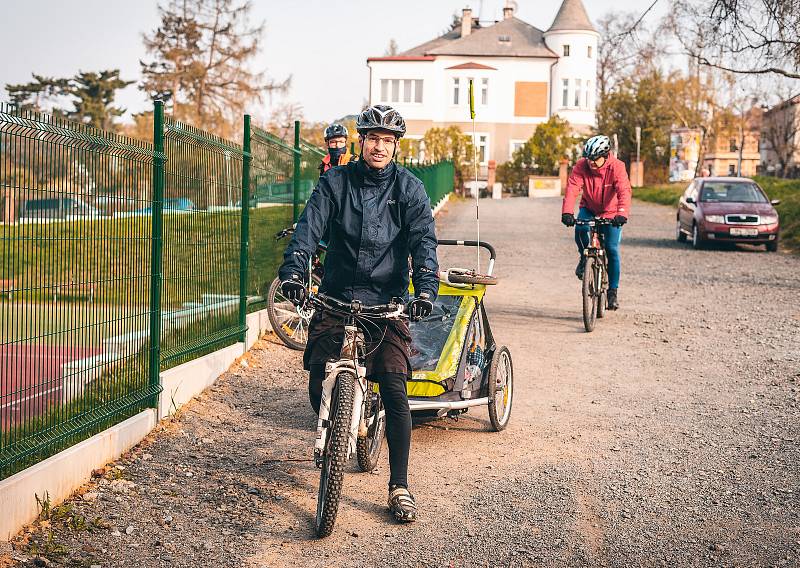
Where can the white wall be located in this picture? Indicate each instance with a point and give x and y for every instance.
(577, 66)
(437, 102)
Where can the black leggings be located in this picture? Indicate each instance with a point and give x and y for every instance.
(398, 418)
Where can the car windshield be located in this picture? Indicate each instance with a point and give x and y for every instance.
(731, 192)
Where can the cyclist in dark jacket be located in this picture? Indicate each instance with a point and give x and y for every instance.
(377, 214)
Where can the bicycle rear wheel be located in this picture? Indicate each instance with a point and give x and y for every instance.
(602, 289)
(589, 295)
(289, 322)
(331, 478)
(368, 448)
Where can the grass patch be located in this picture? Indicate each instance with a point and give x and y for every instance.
(201, 254)
(788, 191)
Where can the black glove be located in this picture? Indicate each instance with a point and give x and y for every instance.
(294, 290)
(619, 220)
(420, 307)
(568, 219)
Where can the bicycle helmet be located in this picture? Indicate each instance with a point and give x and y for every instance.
(381, 117)
(335, 130)
(596, 147)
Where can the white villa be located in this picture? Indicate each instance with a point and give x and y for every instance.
(521, 76)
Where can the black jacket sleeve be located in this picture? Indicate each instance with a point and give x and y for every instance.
(311, 226)
(422, 242)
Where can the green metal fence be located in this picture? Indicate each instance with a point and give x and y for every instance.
(75, 280)
(437, 178)
(121, 258)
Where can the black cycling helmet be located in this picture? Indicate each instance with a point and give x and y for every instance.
(596, 147)
(335, 130)
(381, 117)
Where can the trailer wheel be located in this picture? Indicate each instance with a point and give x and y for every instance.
(501, 388)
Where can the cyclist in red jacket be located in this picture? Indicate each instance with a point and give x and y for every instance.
(606, 193)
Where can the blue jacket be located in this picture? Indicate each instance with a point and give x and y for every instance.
(375, 220)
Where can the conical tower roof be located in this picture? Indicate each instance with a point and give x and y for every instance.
(572, 16)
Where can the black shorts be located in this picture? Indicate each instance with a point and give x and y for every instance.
(388, 344)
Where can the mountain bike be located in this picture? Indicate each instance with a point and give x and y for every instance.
(290, 322)
(351, 417)
(595, 273)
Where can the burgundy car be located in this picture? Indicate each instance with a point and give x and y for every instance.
(727, 209)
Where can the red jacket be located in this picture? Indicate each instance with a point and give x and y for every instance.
(606, 190)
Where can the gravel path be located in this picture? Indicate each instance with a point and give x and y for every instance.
(669, 436)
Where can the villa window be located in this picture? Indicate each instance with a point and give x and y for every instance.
(577, 93)
(589, 52)
(566, 50)
(484, 91)
(456, 89)
(565, 93)
(401, 90)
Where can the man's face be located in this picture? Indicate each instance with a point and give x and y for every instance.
(337, 142)
(598, 163)
(378, 148)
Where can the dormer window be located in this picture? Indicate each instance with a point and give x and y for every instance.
(566, 50)
(504, 39)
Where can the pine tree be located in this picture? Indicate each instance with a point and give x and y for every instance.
(94, 95)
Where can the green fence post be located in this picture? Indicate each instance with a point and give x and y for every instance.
(296, 174)
(156, 248)
(244, 249)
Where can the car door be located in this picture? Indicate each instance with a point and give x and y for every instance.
(686, 209)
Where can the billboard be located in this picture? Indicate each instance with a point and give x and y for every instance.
(684, 153)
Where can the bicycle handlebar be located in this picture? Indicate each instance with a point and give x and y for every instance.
(355, 308)
(593, 222)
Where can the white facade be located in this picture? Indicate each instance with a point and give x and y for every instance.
(574, 82)
(439, 102)
(523, 78)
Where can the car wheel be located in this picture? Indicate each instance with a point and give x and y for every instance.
(697, 242)
(772, 246)
(679, 234)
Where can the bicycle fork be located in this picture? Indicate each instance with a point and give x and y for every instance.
(347, 363)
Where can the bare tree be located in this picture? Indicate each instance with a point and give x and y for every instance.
(741, 36)
(781, 132)
(201, 55)
(392, 49)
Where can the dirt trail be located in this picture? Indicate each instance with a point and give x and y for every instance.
(669, 436)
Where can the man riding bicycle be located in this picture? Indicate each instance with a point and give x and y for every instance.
(377, 214)
(606, 194)
(336, 141)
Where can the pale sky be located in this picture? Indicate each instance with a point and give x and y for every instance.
(322, 44)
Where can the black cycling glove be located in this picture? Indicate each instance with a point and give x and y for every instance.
(568, 219)
(619, 220)
(294, 290)
(420, 307)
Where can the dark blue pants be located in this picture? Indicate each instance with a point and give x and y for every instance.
(612, 236)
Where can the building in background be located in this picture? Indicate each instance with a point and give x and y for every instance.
(780, 139)
(738, 142)
(521, 76)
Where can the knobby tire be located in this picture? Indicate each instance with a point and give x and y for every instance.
(589, 297)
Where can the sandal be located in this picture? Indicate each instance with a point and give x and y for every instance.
(402, 505)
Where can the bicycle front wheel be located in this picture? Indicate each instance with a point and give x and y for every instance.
(334, 459)
(589, 295)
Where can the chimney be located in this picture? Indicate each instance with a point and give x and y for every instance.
(466, 22)
(508, 12)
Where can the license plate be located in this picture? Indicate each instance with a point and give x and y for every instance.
(737, 232)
